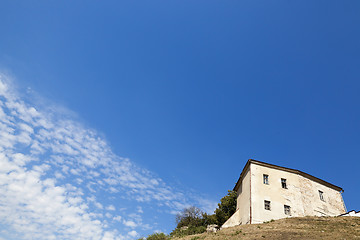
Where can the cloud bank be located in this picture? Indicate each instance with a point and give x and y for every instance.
(61, 180)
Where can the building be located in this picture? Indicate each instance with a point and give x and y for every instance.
(266, 191)
(351, 213)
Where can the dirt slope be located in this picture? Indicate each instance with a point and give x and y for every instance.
(291, 228)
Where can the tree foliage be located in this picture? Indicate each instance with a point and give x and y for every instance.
(191, 216)
(193, 220)
(226, 208)
(178, 232)
(157, 236)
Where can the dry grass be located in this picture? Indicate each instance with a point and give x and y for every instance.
(291, 228)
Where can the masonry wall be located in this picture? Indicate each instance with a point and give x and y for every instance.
(332, 205)
(301, 195)
(242, 214)
(243, 200)
(274, 193)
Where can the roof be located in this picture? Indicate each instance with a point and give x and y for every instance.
(348, 213)
(252, 161)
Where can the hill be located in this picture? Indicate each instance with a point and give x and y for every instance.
(290, 228)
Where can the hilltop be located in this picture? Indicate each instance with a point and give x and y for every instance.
(290, 228)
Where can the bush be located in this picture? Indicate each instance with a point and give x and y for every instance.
(191, 216)
(209, 219)
(193, 220)
(158, 236)
(178, 232)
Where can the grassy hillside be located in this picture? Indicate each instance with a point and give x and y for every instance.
(290, 228)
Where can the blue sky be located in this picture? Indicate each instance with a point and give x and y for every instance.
(104, 101)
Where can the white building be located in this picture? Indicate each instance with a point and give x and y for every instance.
(351, 213)
(266, 191)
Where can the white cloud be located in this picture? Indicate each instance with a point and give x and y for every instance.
(140, 210)
(55, 173)
(98, 205)
(130, 224)
(110, 208)
(133, 233)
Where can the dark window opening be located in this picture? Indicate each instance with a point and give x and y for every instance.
(283, 183)
(321, 194)
(267, 205)
(266, 179)
(287, 210)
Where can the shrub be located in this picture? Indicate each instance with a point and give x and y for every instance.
(191, 216)
(196, 220)
(158, 236)
(178, 232)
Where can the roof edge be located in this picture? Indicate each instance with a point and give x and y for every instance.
(306, 175)
(242, 175)
(356, 212)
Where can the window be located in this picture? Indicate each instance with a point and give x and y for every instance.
(287, 210)
(267, 205)
(321, 195)
(266, 179)
(283, 183)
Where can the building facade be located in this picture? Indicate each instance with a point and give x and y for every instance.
(266, 191)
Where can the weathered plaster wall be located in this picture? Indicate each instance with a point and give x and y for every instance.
(332, 205)
(234, 220)
(274, 193)
(302, 195)
(243, 200)
(242, 214)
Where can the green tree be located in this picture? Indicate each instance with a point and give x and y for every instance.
(226, 208)
(191, 220)
(157, 236)
(209, 219)
(191, 216)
